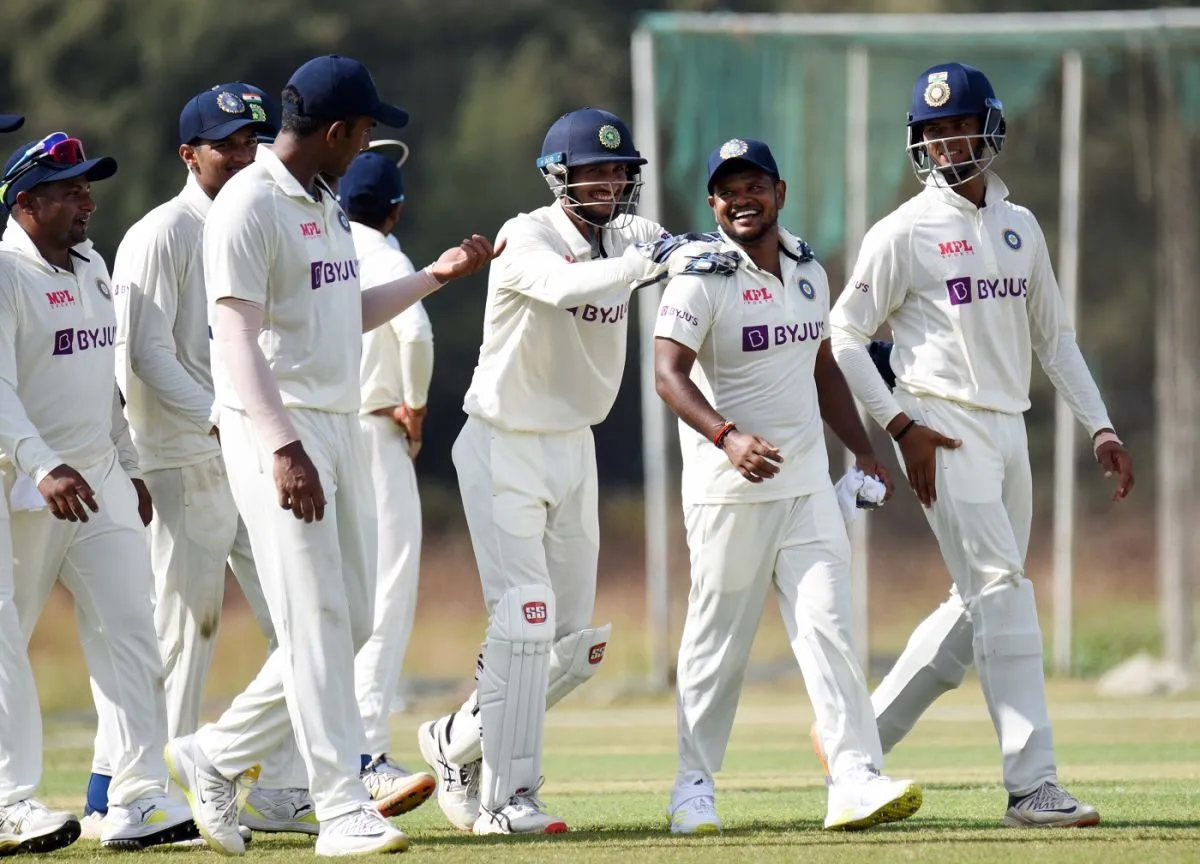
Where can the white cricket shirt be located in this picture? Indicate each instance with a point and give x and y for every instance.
(58, 397)
(967, 292)
(162, 333)
(756, 342)
(552, 355)
(381, 370)
(268, 242)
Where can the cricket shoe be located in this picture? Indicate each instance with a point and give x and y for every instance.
(30, 826)
(869, 799)
(149, 821)
(1049, 806)
(458, 785)
(394, 789)
(360, 832)
(279, 811)
(523, 814)
(213, 799)
(693, 808)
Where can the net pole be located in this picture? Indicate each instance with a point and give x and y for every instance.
(654, 421)
(1064, 422)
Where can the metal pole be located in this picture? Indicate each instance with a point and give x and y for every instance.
(654, 420)
(1064, 421)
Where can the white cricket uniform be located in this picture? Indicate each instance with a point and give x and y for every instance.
(59, 405)
(267, 241)
(756, 340)
(385, 381)
(164, 371)
(967, 292)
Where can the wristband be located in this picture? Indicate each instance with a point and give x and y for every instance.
(722, 434)
(904, 431)
(1104, 438)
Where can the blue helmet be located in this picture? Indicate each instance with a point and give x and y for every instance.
(954, 90)
(590, 136)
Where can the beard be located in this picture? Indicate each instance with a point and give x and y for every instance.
(750, 235)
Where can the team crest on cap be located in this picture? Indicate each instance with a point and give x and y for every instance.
(610, 136)
(733, 148)
(103, 288)
(1012, 239)
(937, 93)
(343, 220)
(807, 289)
(230, 103)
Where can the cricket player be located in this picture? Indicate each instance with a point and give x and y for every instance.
(281, 276)
(394, 376)
(62, 430)
(744, 361)
(963, 277)
(552, 358)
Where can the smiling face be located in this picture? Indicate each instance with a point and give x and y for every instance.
(57, 214)
(598, 189)
(954, 143)
(746, 202)
(215, 162)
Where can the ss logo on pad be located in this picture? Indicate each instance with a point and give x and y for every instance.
(535, 613)
(597, 653)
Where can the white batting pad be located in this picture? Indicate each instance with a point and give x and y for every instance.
(576, 658)
(512, 692)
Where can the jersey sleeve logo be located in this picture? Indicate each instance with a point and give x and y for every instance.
(103, 288)
(807, 289)
(343, 220)
(1012, 239)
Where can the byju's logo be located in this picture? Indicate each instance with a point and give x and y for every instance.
(959, 289)
(64, 341)
(756, 338)
(330, 272)
(69, 340)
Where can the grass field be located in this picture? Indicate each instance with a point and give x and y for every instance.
(609, 769)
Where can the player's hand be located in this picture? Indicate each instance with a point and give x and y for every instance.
(919, 448)
(411, 421)
(299, 483)
(468, 257)
(215, 432)
(66, 493)
(1115, 459)
(145, 504)
(755, 458)
(872, 467)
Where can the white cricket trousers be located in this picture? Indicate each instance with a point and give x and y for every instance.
(738, 552)
(398, 511)
(981, 520)
(317, 579)
(105, 564)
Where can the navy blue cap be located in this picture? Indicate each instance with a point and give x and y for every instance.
(747, 150)
(252, 96)
(587, 137)
(11, 122)
(951, 90)
(333, 87)
(213, 115)
(100, 168)
(372, 183)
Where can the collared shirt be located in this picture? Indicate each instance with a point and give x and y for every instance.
(967, 292)
(756, 340)
(552, 357)
(162, 333)
(58, 398)
(382, 372)
(269, 242)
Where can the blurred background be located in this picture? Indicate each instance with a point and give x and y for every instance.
(483, 81)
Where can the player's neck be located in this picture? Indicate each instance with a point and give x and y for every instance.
(765, 252)
(302, 165)
(974, 190)
(59, 256)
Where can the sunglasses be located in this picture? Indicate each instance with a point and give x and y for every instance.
(58, 149)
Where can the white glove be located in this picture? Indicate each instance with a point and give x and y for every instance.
(856, 492)
(25, 495)
(651, 258)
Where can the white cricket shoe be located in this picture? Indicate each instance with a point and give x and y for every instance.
(279, 811)
(523, 814)
(30, 826)
(693, 807)
(869, 799)
(458, 786)
(1049, 806)
(394, 789)
(213, 799)
(148, 821)
(91, 826)
(360, 832)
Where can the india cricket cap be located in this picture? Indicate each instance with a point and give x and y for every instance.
(11, 122)
(738, 150)
(214, 115)
(256, 95)
(372, 182)
(48, 169)
(333, 87)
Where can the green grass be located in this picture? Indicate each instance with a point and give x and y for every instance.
(609, 768)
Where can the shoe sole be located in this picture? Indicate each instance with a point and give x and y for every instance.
(59, 838)
(699, 829)
(396, 845)
(1087, 821)
(266, 826)
(407, 799)
(558, 827)
(180, 832)
(178, 777)
(901, 807)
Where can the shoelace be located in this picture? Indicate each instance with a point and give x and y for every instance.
(1048, 796)
(528, 797)
(19, 814)
(365, 821)
(469, 777)
(226, 794)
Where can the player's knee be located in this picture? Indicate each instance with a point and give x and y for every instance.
(574, 659)
(523, 613)
(1005, 619)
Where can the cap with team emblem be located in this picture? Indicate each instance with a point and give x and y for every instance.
(333, 87)
(213, 115)
(11, 122)
(737, 150)
(260, 105)
(950, 90)
(372, 184)
(56, 157)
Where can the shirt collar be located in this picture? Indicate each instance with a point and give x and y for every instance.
(995, 192)
(367, 239)
(284, 178)
(562, 223)
(792, 248)
(194, 196)
(16, 238)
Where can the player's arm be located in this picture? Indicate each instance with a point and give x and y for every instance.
(414, 336)
(127, 456)
(147, 283)
(1054, 343)
(841, 414)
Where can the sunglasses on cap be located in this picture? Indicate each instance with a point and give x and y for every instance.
(57, 148)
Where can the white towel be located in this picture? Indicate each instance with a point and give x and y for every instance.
(25, 495)
(857, 491)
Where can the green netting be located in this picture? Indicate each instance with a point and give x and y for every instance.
(790, 90)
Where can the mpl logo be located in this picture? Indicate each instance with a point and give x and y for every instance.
(756, 338)
(596, 654)
(310, 229)
(68, 340)
(330, 272)
(535, 612)
(955, 247)
(60, 299)
(757, 295)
